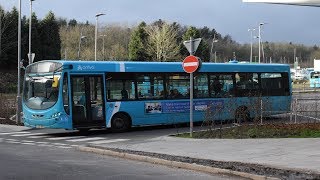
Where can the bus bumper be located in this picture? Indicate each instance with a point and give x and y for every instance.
(61, 122)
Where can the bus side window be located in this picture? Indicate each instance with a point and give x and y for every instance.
(120, 87)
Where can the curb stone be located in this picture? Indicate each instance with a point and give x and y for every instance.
(189, 166)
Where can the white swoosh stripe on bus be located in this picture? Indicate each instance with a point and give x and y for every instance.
(85, 139)
(115, 110)
(108, 141)
(122, 67)
(190, 64)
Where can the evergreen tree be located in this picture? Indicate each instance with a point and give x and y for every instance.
(50, 38)
(35, 38)
(203, 48)
(73, 22)
(137, 44)
(9, 39)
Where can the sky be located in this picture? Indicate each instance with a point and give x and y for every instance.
(285, 23)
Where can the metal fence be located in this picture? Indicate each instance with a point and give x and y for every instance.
(305, 87)
(305, 110)
(7, 105)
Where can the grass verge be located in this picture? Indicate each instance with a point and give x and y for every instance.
(306, 130)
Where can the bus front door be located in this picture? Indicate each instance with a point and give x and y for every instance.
(88, 105)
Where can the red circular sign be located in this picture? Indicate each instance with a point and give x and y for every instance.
(190, 64)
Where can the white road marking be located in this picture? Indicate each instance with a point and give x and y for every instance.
(29, 143)
(31, 134)
(13, 142)
(46, 145)
(64, 147)
(60, 144)
(38, 137)
(63, 138)
(42, 142)
(85, 139)
(20, 132)
(108, 141)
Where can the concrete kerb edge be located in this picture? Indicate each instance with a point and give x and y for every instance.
(153, 160)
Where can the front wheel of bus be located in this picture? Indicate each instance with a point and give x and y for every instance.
(120, 123)
(242, 115)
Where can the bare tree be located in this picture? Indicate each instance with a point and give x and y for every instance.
(162, 43)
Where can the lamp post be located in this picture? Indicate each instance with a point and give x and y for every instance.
(251, 37)
(80, 40)
(30, 27)
(259, 36)
(103, 45)
(18, 113)
(214, 40)
(96, 33)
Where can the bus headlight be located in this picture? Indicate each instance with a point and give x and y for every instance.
(56, 115)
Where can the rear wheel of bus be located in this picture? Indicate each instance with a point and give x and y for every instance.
(120, 123)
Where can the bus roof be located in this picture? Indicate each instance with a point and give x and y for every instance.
(135, 66)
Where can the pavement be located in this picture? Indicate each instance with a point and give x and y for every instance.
(287, 158)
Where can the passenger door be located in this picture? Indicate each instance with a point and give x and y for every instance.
(87, 101)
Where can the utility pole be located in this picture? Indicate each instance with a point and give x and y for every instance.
(18, 113)
(96, 34)
(30, 27)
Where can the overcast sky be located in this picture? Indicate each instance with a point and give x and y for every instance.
(295, 24)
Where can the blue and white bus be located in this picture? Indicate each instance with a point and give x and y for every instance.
(120, 95)
(314, 79)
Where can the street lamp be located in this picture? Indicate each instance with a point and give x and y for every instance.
(80, 40)
(30, 21)
(18, 113)
(95, 37)
(259, 36)
(214, 40)
(251, 37)
(103, 45)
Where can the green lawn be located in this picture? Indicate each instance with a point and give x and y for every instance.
(310, 130)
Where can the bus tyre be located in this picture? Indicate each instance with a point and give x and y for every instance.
(242, 115)
(120, 123)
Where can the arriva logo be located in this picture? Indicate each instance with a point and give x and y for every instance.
(83, 68)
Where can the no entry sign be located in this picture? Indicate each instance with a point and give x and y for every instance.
(190, 64)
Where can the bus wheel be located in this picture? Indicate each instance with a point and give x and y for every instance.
(242, 115)
(120, 123)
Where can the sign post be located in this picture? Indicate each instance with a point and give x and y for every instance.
(191, 64)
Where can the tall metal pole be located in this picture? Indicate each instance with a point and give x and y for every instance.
(259, 41)
(214, 40)
(103, 50)
(96, 34)
(251, 44)
(95, 39)
(260, 24)
(18, 113)
(30, 27)
(191, 90)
